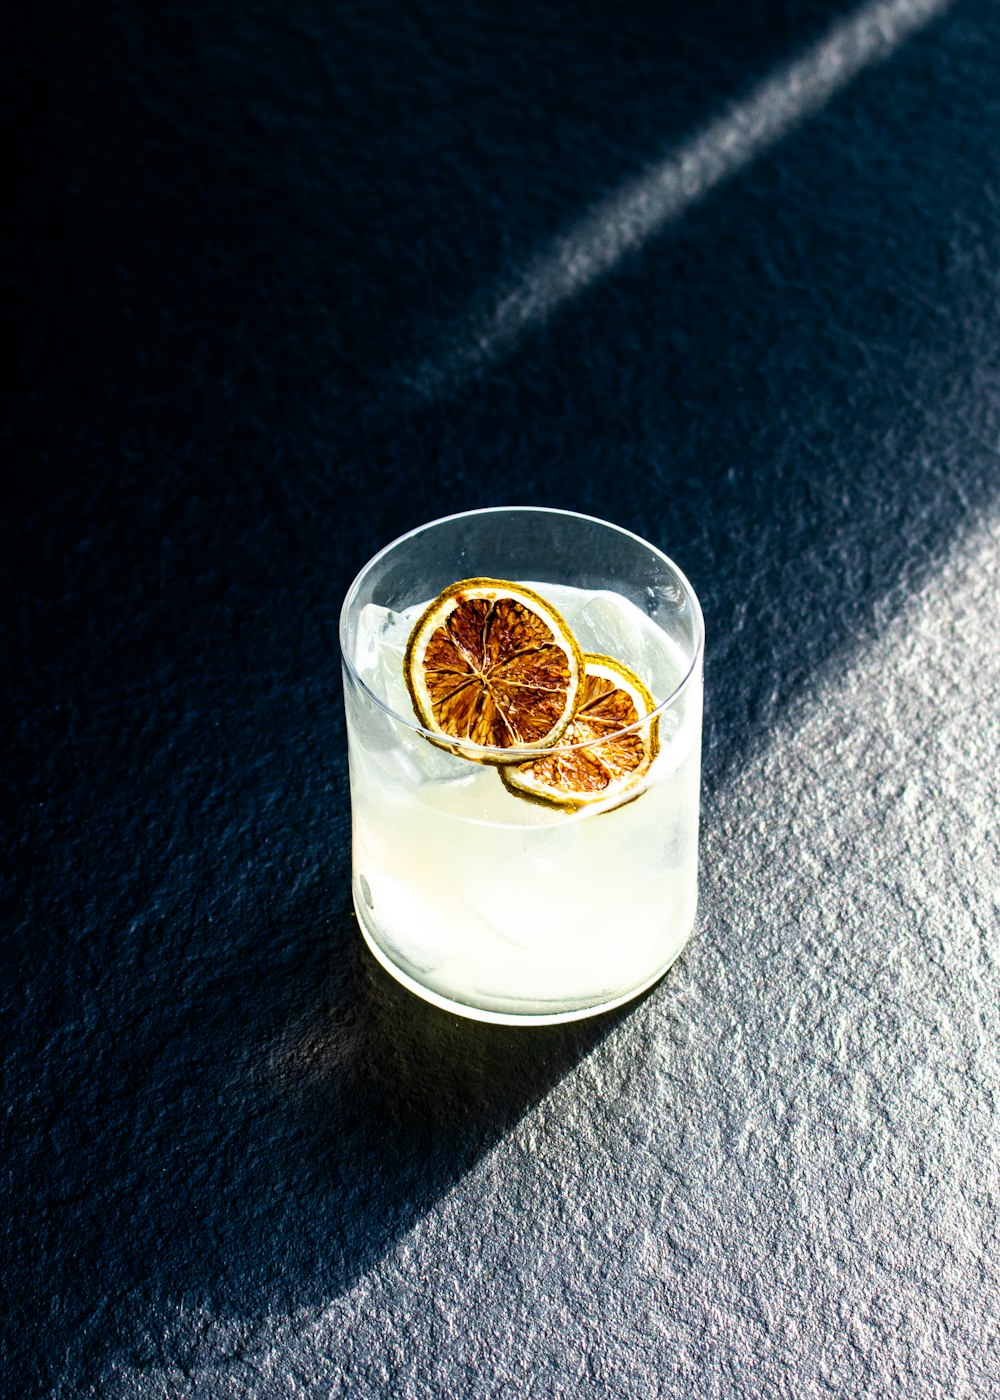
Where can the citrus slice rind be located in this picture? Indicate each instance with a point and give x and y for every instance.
(492, 667)
(611, 751)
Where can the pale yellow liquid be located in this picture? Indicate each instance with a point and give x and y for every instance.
(500, 907)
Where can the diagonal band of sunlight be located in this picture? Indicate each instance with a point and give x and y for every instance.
(646, 203)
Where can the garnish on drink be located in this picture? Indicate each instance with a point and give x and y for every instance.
(495, 665)
(491, 663)
(612, 699)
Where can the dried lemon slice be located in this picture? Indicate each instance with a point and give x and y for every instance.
(611, 699)
(492, 663)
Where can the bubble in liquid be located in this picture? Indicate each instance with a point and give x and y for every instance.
(366, 891)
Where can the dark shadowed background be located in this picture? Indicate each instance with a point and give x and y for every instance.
(283, 280)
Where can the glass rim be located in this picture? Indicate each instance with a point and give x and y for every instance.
(464, 747)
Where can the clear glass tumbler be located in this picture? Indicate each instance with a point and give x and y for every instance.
(478, 899)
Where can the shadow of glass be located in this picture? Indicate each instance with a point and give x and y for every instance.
(420, 1069)
(363, 1109)
(405, 1098)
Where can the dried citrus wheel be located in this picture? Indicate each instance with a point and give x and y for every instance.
(492, 663)
(611, 699)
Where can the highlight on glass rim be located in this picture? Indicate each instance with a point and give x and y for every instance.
(524, 696)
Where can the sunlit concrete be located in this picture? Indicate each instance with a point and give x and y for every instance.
(648, 202)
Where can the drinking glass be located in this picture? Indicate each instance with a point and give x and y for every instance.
(488, 904)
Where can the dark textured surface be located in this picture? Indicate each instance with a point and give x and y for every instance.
(245, 243)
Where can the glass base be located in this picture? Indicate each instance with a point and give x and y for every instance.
(505, 1018)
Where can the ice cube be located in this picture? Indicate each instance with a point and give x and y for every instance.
(614, 626)
(379, 652)
(379, 648)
